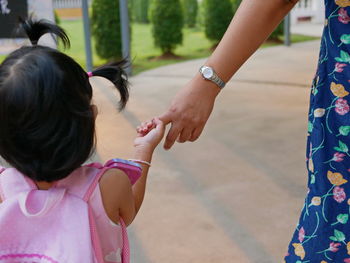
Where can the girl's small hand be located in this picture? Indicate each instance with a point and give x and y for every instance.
(149, 134)
(145, 128)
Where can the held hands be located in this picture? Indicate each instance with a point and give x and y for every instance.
(189, 111)
(188, 114)
(149, 134)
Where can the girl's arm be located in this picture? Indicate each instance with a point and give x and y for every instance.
(120, 199)
(192, 106)
(149, 136)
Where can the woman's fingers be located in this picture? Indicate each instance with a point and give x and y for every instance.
(196, 133)
(166, 117)
(173, 134)
(185, 135)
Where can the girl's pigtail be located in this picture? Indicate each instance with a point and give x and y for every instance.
(36, 29)
(116, 74)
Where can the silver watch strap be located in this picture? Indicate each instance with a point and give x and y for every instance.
(218, 81)
(214, 78)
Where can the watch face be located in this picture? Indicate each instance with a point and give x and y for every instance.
(208, 72)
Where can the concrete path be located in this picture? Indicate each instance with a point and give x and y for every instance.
(234, 195)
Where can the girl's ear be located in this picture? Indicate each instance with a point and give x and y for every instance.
(94, 110)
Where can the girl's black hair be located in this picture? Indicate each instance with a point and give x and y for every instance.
(47, 123)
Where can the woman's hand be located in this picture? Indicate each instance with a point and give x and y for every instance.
(149, 134)
(193, 105)
(189, 111)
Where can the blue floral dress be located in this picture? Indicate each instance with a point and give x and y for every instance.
(323, 232)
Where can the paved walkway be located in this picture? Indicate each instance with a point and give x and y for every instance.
(235, 195)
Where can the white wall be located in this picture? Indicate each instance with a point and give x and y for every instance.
(309, 8)
(39, 9)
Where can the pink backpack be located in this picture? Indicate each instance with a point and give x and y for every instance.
(57, 225)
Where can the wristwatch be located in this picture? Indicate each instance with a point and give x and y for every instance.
(208, 73)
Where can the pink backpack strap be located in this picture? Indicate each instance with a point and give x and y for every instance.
(133, 170)
(126, 245)
(53, 197)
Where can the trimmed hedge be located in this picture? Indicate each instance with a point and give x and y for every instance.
(235, 5)
(279, 31)
(217, 17)
(167, 24)
(190, 9)
(140, 10)
(106, 29)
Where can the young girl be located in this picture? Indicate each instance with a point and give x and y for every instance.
(48, 131)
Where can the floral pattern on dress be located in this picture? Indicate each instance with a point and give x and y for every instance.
(323, 232)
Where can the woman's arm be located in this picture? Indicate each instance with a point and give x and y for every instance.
(192, 106)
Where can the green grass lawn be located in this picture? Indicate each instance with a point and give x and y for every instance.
(143, 51)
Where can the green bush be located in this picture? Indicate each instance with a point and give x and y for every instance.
(279, 31)
(190, 8)
(140, 10)
(131, 5)
(201, 15)
(235, 5)
(167, 24)
(106, 29)
(217, 17)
